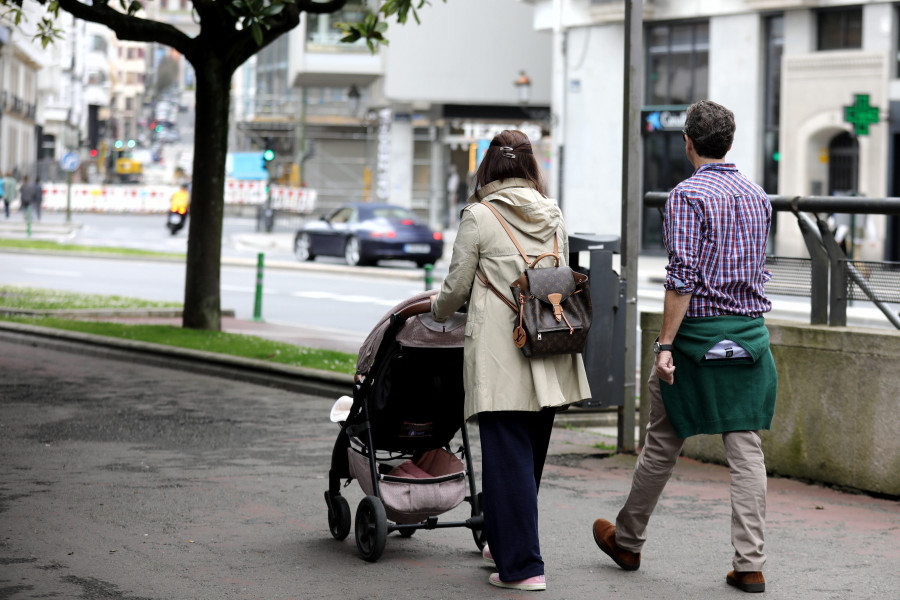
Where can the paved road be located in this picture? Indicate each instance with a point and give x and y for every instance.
(125, 482)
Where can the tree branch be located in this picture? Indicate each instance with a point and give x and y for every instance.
(242, 45)
(130, 27)
(320, 8)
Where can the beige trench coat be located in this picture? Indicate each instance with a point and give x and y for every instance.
(497, 376)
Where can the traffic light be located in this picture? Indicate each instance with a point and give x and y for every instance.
(93, 153)
(268, 154)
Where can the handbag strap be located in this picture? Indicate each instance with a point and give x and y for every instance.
(528, 261)
(483, 279)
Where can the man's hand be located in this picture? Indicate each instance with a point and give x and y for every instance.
(665, 367)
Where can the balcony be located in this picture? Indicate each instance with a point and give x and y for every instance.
(289, 108)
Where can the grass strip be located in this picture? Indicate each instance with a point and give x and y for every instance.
(55, 246)
(233, 344)
(28, 298)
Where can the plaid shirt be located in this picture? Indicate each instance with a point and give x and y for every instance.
(715, 230)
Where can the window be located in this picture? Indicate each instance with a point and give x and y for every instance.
(677, 63)
(96, 78)
(98, 44)
(321, 31)
(840, 28)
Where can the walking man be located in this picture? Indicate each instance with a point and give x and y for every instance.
(715, 231)
(26, 193)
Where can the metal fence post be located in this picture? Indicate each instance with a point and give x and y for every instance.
(429, 279)
(257, 305)
(818, 297)
(837, 312)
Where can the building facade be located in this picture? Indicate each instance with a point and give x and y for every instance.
(20, 63)
(788, 69)
(407, 123)
(61, 107)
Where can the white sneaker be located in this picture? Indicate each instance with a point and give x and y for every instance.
(533, 584)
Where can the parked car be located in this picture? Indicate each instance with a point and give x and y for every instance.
(364, 233)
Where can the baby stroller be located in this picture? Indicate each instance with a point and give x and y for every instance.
(396, 430)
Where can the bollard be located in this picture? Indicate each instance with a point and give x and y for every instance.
(429, 280)
(257, 305)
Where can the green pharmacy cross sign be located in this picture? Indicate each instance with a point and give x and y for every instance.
(861, 114)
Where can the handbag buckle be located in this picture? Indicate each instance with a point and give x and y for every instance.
(555, 299)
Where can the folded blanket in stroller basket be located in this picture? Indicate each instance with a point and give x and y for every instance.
(413, 491)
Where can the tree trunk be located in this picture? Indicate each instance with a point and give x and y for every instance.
(202, 301)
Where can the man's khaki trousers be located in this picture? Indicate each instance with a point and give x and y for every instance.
(654, 467)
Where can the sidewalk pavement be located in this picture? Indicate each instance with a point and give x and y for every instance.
(122, 480)
(100, 494)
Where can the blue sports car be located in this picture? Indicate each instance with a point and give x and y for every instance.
(364, 233)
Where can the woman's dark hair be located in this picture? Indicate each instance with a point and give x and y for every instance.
(711, 127)
(508, 156)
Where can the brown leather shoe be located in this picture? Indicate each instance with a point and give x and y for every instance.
(747, 581)
(605, 536)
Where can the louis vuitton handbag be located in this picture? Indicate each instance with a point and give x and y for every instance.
(554, 309)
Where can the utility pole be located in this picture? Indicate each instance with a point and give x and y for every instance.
(631, 209)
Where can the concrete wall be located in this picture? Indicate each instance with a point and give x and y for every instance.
(838, 409)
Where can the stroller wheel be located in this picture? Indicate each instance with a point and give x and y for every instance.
(371, 528)
(339, 517)
(478, 534)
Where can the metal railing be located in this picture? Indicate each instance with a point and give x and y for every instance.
(828, 277)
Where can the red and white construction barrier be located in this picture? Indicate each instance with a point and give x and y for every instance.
(109, 198)
(300, 200)
(155, 198)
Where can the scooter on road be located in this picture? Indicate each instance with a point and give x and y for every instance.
(176, 221)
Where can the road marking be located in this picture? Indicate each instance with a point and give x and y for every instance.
(344, 298)
(243, 289)
(53, 272)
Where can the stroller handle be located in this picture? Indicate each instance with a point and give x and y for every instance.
(418, 308)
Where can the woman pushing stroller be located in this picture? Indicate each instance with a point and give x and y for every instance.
(515, 398)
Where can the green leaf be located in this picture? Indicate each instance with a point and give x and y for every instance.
(273, 9)
(256, 32)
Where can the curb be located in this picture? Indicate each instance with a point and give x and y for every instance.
(297, 379)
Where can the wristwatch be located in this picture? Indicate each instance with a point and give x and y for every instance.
(657, 347)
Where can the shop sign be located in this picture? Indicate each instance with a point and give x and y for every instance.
(663, 120)
(487, 131)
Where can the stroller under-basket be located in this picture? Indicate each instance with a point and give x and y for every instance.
(407, 408)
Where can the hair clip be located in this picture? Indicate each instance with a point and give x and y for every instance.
(507, 151)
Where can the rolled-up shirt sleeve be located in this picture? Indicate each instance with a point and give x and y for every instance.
(681, 234)
(457, 286)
